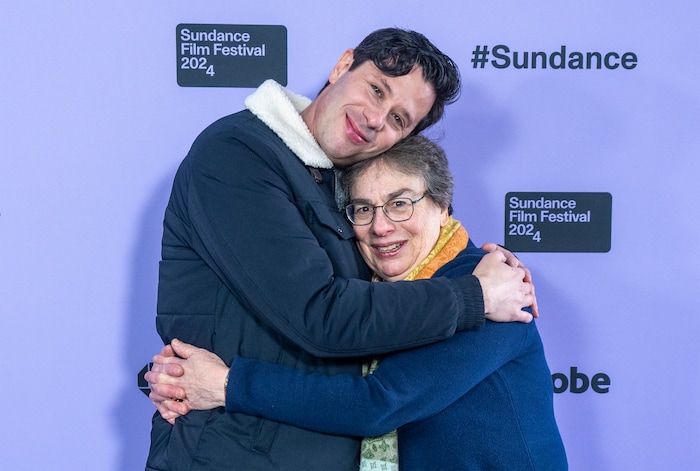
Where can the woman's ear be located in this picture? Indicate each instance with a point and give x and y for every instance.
(444, 217)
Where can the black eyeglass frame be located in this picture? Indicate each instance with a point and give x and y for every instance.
(384, 210)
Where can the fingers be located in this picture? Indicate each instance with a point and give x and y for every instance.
(515, 315)
(163, 384)
(168, 398)
(528, 300)
(490, 247)
(533, 306)
(170, 416)
(527, 279)
(169, 409)
(170, 366)
(161, 405)
(175, 351)
(505, 298)
(157, 398)
(167, 351)
(182, 349)
(493, 258)
(512, 260)
(509, 257)
(174, 409)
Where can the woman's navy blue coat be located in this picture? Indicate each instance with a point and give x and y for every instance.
(480, 400)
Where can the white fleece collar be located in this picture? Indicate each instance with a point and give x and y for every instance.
(280, 110)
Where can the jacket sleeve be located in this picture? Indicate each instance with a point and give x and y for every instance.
(407, 386)
(242, 219)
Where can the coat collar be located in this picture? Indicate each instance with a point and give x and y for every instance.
(280, 110)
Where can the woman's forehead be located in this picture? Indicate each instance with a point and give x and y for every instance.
(383, 179)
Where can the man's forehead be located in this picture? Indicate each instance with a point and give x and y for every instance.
(371, 68)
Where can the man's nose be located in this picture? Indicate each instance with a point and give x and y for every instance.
(376, 116)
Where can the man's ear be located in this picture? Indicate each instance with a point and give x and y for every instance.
(342, 65)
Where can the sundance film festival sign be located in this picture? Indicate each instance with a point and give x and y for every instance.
(215, 55)
(558, 222)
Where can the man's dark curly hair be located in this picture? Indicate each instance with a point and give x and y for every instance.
(396, 52)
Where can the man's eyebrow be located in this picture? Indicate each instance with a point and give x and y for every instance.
(386, 85)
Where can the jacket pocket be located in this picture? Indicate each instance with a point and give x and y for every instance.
(267, 431)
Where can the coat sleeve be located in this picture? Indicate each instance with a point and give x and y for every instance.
(407, 386)
(242, 219)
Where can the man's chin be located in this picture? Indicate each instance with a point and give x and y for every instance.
(348, 160)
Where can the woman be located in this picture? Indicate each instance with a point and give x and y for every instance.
(480, 400)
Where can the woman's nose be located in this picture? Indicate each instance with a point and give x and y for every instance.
(381, 224)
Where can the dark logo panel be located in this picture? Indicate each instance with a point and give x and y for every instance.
(241, 56)
(558, 222)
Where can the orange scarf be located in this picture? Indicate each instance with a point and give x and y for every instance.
(453, 239)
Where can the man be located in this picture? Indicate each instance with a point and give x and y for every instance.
(257, 260)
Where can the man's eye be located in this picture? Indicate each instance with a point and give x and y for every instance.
(398, 120)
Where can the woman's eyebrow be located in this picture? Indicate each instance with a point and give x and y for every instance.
(395, 194)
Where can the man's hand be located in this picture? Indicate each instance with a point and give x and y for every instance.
(514, 261)
(166, 397)
(507, 288)
(185, 378)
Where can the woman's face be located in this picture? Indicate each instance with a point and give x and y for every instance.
(393, 249)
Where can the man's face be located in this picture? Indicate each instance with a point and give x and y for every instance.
(364, 112)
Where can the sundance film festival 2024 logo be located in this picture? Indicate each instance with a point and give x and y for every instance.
(558, 222)
(216, 55)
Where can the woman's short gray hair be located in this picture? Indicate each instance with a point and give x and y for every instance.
(415, 155)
